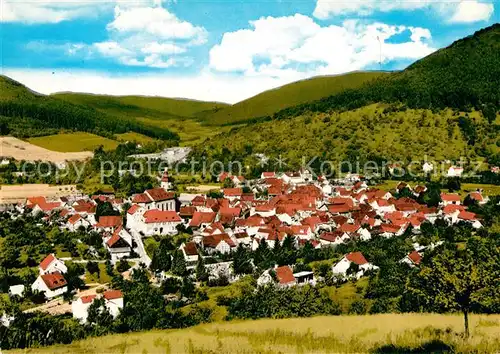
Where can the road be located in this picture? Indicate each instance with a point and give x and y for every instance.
(140, 250)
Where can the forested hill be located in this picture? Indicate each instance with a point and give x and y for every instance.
(464, 75)
(27, 113)
(269, 102)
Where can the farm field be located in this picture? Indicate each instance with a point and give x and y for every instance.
(22, 150)
(73, 142)
(384, 333)
(488, 189)
(18, 193)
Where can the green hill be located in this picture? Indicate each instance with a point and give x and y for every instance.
(160, 107)
(384, 333)
(465, 75)
(26, 113)
(269, 102)
(444, 106)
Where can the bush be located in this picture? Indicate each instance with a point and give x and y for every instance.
(358, 307)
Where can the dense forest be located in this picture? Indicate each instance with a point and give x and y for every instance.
(26, 112)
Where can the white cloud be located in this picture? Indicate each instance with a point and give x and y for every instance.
(450, 11)
(155, 21)
(149, 37)
(472, 11)
(203, 86)
(296, 46)
(55, 11)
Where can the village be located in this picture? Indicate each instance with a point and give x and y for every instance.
(310, 211)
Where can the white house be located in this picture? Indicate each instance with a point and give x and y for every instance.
(455, 171)
(119, 244)
(450, 198)
(156, 198)
(162, 222)
(114, 301)
(190, 252)
(75, 221)
(218, 243)
(16, 290)
(52, 285)
(51, 264)
(357, 258)
(413, 259)
(282, 276)
(80, 307)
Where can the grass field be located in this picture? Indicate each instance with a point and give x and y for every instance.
(131, 136)
(488, 189)
(101, 278)
(387, 333)
(73, 142)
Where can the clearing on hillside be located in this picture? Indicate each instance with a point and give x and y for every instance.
(22, 150)
(385, 333)
(18, 193)
(73, 142)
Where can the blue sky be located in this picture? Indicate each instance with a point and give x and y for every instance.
(219, 49)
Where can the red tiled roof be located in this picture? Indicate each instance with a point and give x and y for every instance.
(113, 294)
(356, 257)
(330, 236)
(214, 240)
(285, 275)
(190, 249)
(268, 174)
(133, 209)
(46, 261)
(200, 217)
(450, 197)
(160, 194)
(157, 216)
(187, 211)
(232, 192)
(476, 196)
(451, 208)
(389, 228)
(110, 221)
(141, 198)
(87, 299)
(415, 257)
(349, 228)
(339, 208)
(85, 207)
(230, 211)
(467, 215)
(54, 280)
(72, 220)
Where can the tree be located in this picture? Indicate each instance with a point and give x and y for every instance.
(458, 279)
(122, 265)
(201, 272)
(105, 209)
(242, 263)
(93, 267)
(178, 263)
(98, 315)
(162, 261)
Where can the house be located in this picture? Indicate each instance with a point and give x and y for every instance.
(75, 222)
(232, 193)
(455, 171)
(16, 290)
(478, 197)
(156, 198)
(354, 261)
(113, 299)
(162, 222)
(449, 198)
(413, 259)
(51, 264)
(108, 223)
(265, 175)
(468, 217)
(218, 243)
(52, 285)
(119, 244)
(190, 252)
(333, 238)
(304, 277)
(80, 307)
(202, 219)
(427, 167)
(282, 276)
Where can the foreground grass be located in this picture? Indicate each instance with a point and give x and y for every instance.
(73, 142)
(387, 333)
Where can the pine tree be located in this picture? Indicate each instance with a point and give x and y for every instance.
(201, 272)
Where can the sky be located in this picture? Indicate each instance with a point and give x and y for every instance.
(220, 50)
